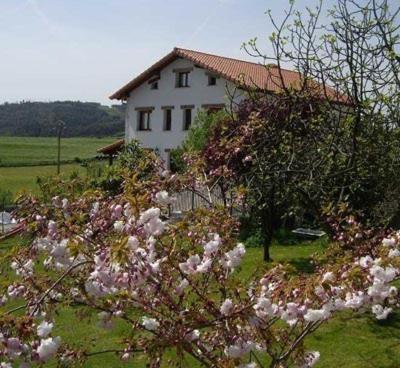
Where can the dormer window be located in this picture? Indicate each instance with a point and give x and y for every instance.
(182, 77)
(153, 81)
(212, 80)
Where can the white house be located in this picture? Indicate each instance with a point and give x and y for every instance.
(163, 100)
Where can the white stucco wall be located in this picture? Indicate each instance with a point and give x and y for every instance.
(198, 93)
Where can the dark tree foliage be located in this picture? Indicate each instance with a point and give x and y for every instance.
(37, 119)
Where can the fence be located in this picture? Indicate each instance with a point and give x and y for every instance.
(201, 198)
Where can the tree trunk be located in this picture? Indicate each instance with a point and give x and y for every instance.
(267, 243)
(267, 232)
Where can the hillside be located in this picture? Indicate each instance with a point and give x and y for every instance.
(83, 119)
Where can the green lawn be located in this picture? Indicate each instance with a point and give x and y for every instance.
(18, 151)
(348, 340)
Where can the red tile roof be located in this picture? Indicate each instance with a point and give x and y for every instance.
(245, 73)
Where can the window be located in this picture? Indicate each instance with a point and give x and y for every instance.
(154, 85)
(167, 119)
(212, 80)
(183, 79)
(144, 120)
(187, 118)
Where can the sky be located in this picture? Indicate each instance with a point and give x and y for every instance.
(86, 49)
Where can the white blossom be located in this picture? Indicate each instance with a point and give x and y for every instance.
(315, 315)
(389, 242)
(383, 274)
(310, 359)
(365, 262)
(354, 300)
(64, 203)
(24, 269)
(183, 284)
(154, 226)
(233, 258)
(226, 307)
(190, 266)
(204, 266)
(381, 312)
(149, 214)
(265, 308)
(240, 348)
(44, 329)
(328, 277)
(394, 253)
(150, 324)
(48, 347)
(193, 335)
(119, 226)
(133, 242)
(212, 246)
(290, 313)
(164, 198)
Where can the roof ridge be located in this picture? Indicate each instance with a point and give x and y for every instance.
(234, 59)
(220, 56)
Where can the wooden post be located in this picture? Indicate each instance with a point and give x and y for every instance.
(60, 128)
(2, 214)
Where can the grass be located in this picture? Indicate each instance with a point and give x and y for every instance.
(20, 180)
(23, 159)
(349, 340)
(21, 151)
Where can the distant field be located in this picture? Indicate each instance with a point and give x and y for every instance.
(16, 153)
(20, 180)
(19, 151)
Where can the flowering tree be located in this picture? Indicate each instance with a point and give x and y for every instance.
(175, 284)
